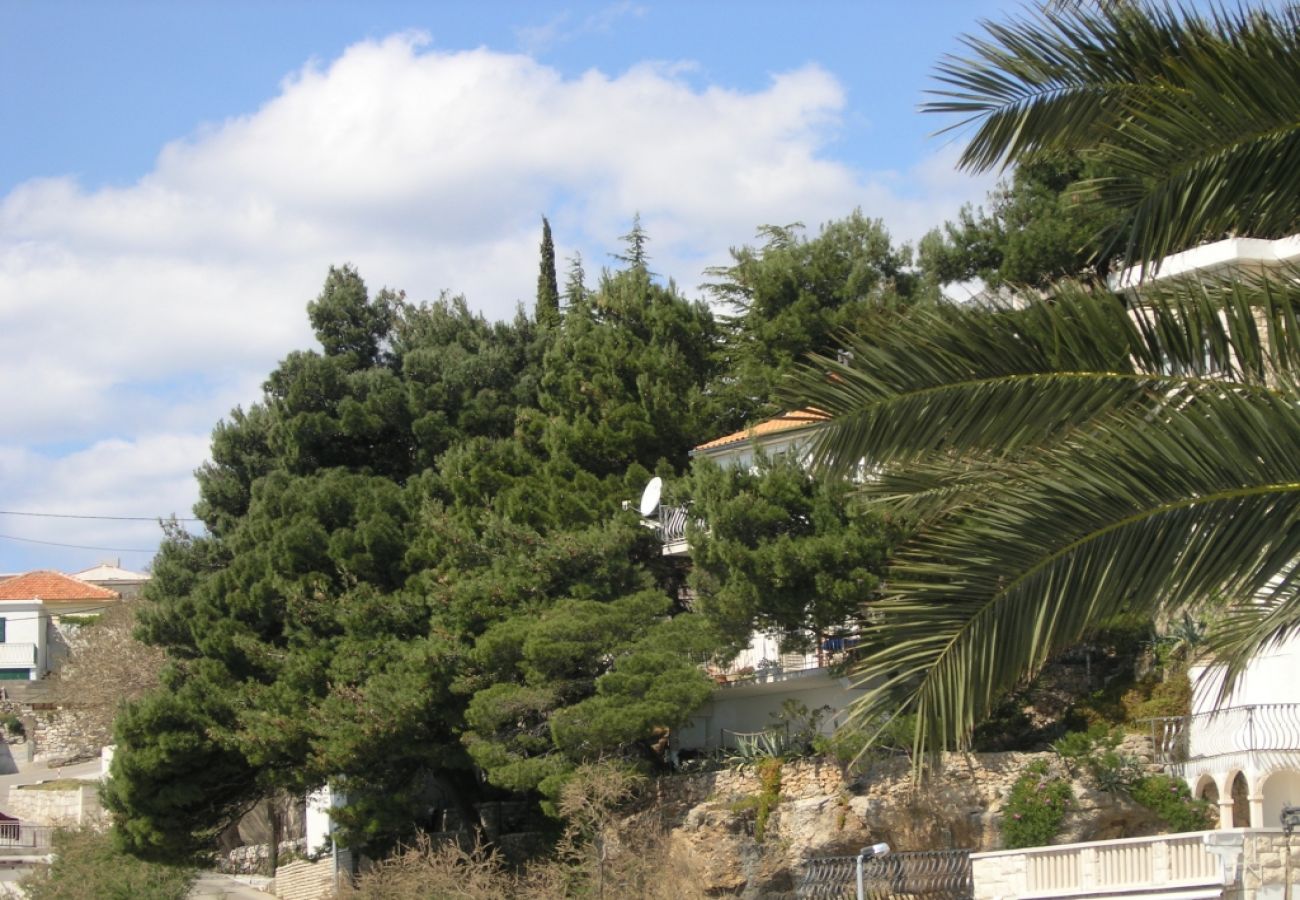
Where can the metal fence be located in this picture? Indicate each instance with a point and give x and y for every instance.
(930, 874)
(18, 838)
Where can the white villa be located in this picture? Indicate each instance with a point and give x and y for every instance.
(31, 607)
(753, 686)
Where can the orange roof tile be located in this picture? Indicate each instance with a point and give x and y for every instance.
(789, 421)
(43, 585)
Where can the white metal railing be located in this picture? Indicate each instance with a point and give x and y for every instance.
(12, 655)
(1272, 726)
(1103, 867)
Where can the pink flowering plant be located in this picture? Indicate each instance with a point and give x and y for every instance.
(1035, 808)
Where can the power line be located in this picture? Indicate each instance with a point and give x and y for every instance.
(45, 515)
(78, 546)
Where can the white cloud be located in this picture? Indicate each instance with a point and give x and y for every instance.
(429, 170)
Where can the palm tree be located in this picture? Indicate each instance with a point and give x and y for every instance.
(1195, 118)
(1067, 460)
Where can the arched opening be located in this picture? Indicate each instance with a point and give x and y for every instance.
(1279, 790)
(1206, 789)
(1240, 802)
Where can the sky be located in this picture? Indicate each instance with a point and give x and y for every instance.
(177, 178)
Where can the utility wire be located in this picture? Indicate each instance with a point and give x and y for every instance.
(45, 515)
(10, 537)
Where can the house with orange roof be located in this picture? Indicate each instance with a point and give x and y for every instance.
(31, 608)
(754, 686)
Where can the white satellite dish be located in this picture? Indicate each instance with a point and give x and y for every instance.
(650, 496)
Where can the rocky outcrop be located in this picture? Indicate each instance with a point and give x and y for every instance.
(822, 811)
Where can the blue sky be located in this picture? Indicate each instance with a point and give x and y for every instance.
(178, 177)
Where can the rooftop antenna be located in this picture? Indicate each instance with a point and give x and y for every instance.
(650, 497)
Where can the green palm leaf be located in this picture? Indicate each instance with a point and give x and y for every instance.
(1196, 118)
(1067, 460)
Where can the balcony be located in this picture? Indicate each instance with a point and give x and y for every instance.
(670, 524)
(763, 662)
(17, 656)
(1238, 730)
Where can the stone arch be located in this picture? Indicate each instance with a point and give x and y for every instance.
(1278, 788)
(1206, 788)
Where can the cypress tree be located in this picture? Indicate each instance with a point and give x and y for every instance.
(548, 290)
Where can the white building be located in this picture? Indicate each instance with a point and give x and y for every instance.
(753, 687)
(31, 608)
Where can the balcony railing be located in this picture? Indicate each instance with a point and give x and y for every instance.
(749, 667)
(1100, 868)
(1238, 729)
(17, 655)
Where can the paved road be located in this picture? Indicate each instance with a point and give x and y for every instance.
(30, 773)
(214, 886)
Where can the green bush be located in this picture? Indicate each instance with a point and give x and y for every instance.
(1035, 808)
(1170, 799)
(88, 866)
(769, 795)
(13, 724)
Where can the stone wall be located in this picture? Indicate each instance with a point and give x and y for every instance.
(35, 806)
(62, 739)
(306, 880)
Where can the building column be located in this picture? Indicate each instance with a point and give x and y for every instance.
(1256, 810)
(1225, 812)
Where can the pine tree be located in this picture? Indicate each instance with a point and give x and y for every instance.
(548, 291)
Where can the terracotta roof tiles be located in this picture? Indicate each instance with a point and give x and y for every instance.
(789, 421)
(44, 585)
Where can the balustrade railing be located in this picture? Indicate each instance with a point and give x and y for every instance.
(1237, 729)
(1112, 868)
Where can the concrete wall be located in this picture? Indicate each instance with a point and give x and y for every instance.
(76, 806)
(1270, 677)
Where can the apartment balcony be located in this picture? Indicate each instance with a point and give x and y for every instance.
(17, 656)
(670, 524)
(1227, 734)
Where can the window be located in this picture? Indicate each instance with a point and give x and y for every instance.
(2, 630)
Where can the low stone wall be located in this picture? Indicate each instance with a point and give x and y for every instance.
(306, 880)
(73, 806)
(62, 737)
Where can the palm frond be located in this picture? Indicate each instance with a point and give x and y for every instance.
(970, 379)
(1123, 517)
(1195, 118)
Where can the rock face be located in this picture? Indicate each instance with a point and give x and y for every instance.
(822, 811)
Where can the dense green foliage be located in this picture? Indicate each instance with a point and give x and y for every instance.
(418, 569)
(1039, 228)
(1190, 118)
(1076, 459)
(1035, 808)
(1170, 799)
(796, 295)
(783, 550)
(87, 866)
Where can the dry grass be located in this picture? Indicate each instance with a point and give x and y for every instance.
(604, 853)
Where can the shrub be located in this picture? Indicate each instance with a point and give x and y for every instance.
(1170, 799)
(1035, 808)
(769, 795)
(88, 866)
(13, 725)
